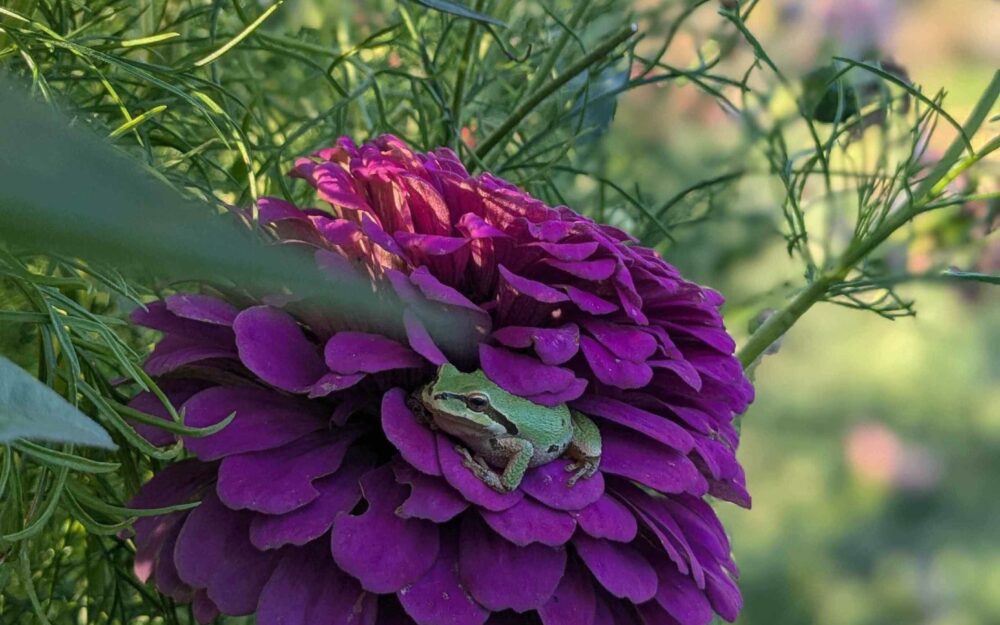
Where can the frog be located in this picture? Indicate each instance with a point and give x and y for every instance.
(502, 434)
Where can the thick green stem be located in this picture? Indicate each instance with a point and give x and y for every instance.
(526, 107)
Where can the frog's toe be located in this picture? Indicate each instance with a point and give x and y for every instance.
(581, 469)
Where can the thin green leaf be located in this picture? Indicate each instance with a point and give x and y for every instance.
(454, 8)
(132, 123)
(243, 34)
(31, 410)
(57, 458)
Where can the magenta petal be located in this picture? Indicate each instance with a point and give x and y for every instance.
(590, 270)
(414, 440)
(553, 345)
(549, 484)
(333, 382)
(609, 519)
(500, 575)
(611, 369)
(568, 394)
(465, 481)
(522, 375)
(724, 595)
(264, 420)
(360, 352)
(439, 598)
(355, 539)
(574, 602)
(652, 613)
(430, 497)
(272, 345)
(639, 458)
(531, 522)
(654, 426)
(679, 595)
(590, 303)
(275, 481)
(307, 588)
(420, 339)
(338, 493)
(620, 568)
(202, 308)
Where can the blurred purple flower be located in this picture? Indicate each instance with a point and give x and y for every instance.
(326, 501)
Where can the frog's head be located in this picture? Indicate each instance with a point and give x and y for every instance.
(469, 404)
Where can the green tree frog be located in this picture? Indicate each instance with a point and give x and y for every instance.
(503, 435)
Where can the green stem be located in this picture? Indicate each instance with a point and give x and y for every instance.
(526, 107)
(929, 190)
(463, 67)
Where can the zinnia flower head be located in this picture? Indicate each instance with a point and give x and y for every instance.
(326, 500)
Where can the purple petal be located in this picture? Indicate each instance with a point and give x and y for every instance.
(613, 370)
(334, 382)
(337, 493)
(414, 440)
(531, 522)
(465, 481)
(628, 342)
(590, 270)
(420, 339)
(500, 575)
(201, 545)
(639, 458)
(204, 610)
(553, 345)
(530, 288)
(275, 481)
(620, 568)
(568, 394)
(354, 539)
(590, 303)
(202, 308)
(680, 596)
(273, 346)
(549, 484)
(724, 595)
(264, 420)
(158, 317)
(682, 369)
(522, 375)
(439, 597)
(174, 352)
(240, 575)
(360, 352)
(568, 252)
(307, 588)
(574, 602)
(652, 613)
(430, 497)
(609, 519)
(654, 426)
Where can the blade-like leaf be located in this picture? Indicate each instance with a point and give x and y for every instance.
(973, 276)
(459, 10)
(31, 410)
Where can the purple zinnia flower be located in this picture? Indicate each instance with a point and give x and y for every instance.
(327, 501)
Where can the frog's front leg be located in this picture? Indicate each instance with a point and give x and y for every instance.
(584, 448)
(518, 453)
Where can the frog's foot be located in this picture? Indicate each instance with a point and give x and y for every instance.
(481, 470)
(582, 469)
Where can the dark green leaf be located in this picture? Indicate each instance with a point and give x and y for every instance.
(973, 276)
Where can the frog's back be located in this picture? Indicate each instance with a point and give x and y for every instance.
(550, 431)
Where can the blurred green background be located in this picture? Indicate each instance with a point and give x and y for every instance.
(873, 448)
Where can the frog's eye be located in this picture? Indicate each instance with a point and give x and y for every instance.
(477, 402)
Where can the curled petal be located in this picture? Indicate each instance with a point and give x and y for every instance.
(204, 308)
(430, 497)
(629, 454)
(611, 369)
(414, 440)
(609, 519)
(554, 346)
(465, 481)
(549, 484)
(522, 375)
(439, 598)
